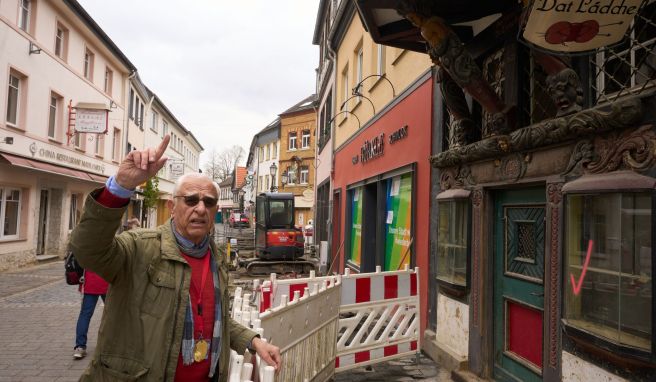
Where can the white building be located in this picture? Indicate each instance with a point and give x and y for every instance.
(54, 58)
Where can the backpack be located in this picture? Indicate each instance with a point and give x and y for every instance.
(74, 272)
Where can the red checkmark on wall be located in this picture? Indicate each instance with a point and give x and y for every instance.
(576, 287)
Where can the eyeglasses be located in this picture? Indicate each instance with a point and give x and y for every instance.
(193, 200)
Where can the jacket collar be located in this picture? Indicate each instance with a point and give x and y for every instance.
(169, 248)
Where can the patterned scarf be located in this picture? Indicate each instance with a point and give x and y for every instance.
(188, 341)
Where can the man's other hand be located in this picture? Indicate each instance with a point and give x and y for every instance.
(269, 353)
(139, 166)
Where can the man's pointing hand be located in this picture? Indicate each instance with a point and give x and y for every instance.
(139, 166)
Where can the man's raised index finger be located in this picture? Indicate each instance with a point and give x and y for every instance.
(162, 146)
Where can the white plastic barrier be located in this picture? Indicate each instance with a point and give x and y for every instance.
(380, 318)
(305, 329)
(380, 313)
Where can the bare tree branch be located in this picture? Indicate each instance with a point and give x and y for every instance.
(221, 165)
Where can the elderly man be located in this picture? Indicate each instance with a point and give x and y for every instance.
(166, 317)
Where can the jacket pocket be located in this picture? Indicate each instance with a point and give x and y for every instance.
(120, 368)
(159, 293)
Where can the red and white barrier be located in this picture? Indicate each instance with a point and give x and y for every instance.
(380, 312)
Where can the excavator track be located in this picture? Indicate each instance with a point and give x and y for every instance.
(264, 268)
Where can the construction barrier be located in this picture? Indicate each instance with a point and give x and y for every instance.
(379, 318)
(304, 329)
(379, 313)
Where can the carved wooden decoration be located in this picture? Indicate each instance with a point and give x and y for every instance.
(554, 192)
(477, 198)
(623, 114)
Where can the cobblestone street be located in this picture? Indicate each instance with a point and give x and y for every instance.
(38, 313)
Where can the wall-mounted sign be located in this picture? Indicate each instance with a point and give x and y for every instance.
(177, 168)
(398, 134)
(573, 26)
(372, 148)
(91, 118)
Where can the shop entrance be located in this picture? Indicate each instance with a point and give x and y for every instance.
(43, 223)
(519, 247)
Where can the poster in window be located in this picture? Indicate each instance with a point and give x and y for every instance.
(355, 251)
(398, 224)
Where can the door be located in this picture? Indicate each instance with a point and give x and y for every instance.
(43, 223)
(519, 247)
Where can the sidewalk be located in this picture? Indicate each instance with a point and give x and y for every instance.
(38, 314)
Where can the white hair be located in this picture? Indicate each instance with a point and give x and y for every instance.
(192, 176)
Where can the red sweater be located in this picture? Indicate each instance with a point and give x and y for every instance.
(197, 371)
(93, 284)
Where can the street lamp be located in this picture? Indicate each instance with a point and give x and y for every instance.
(272, 171)
(283, 179)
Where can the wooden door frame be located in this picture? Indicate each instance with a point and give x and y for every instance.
(481, 298)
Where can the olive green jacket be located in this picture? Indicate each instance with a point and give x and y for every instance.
(141, 329)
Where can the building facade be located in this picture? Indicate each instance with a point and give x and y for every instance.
(54, 58)
(542, 195)
(58, 64)
(296, 163)
(382, 121)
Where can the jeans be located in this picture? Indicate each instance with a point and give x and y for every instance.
(86, 311)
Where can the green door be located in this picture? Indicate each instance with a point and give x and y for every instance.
(519, 247)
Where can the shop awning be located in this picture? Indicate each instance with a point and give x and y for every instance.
(52, 168)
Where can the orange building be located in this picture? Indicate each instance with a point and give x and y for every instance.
(297, 162)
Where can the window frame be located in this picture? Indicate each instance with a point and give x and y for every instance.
(55, 116)
(89, 58)
(116, 145)
(292, 138)
(24, 15)
(305, 134)
(617, 182)
(380, 59)
(17, 88)
(3, 210)
(109, 79)
(304, 170)
(154, 121)
(448, 286)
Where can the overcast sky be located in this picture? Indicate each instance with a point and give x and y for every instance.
(224, 68)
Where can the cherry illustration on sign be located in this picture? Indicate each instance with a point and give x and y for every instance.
(565, 31)
(576, 286)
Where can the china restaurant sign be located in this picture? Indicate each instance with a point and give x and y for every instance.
(572, 26)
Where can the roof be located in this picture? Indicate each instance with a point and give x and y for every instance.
(240, 176)
(226, 182)
(95, 28)
(319, 22)
(307, 103)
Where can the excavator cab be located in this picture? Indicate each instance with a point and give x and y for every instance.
(276, 237)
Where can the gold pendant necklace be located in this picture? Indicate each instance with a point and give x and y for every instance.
(200, 350)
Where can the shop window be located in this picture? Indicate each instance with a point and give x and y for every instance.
(10, 206)
(398, 222)
(608, 269)
(355, 247)
(453, 237)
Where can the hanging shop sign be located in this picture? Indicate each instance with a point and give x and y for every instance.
(177, 168)
(574, 26)
(91, 118)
